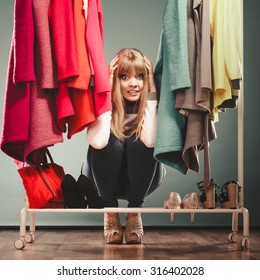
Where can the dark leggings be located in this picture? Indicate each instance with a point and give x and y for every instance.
(124, 170)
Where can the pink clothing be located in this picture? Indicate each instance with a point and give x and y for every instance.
(44, 131)
(48, 81)
(16, 114)
(61, 20)
(48, 72)
(65, 49)
(29, 119)
(94, 37)
(29, 122)
(23, 38)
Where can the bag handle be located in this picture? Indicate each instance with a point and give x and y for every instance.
(49, 155)
(45, 156)
(46, 165)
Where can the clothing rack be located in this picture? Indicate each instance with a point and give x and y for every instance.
(25, 237)
(29, 237)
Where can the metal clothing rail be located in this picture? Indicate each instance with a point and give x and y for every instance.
(25, 238)
(232, 238)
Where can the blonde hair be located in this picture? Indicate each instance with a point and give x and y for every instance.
(129, 60)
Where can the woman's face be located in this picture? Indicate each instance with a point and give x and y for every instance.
(131, 85)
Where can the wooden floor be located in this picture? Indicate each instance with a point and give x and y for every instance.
(159, 244)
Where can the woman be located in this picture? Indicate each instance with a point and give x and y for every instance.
(120, 158)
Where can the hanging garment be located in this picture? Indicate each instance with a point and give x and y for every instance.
(20, 73)
(84, 69)
(171, 75)
(16, 114)
(48, 70)
(23, 39)
(95, 45)
(80, 91)
(29, 112)
(195, 101)
(226, 52)
(61, 16)
(63, 34)
(84, 115)
(64, 106)
(43, 130)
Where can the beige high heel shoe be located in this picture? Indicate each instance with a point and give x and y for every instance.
(113, 232)
(172, 201)
(134, 228)
(191, 201)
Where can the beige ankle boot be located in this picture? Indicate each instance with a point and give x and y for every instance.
(112, 228)
(134, 228)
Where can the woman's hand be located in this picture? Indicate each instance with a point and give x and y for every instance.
(111, 69)
(149, 66)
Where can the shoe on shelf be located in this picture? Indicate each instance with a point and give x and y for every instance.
(72, 198)
(191, 201)
(134, 228)
(229, 196)
(113, 232)
(172, 201)
(208, 194)
(89, 192)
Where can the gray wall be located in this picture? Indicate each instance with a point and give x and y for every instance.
(137, 24)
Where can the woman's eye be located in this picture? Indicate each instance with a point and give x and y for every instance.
(140, 77)
(123, 77)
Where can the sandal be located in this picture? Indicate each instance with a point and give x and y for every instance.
(229, 195)
(208, 194)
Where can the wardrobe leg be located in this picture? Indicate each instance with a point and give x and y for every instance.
(233, 238)
(245, 222)
(23, 222)
(29, 238)
(21, 242)
(245, 244)
(235, 222)
(32, 222)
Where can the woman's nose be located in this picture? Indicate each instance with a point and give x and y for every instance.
(133, 82)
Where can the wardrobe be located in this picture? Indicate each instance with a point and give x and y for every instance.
(25, 237)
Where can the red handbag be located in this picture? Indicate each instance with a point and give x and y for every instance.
(42, 184)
